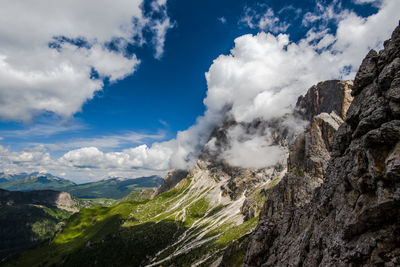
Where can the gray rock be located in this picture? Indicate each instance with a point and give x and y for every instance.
(172, 178)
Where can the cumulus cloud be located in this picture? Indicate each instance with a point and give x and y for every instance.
(34, 159)
(77, 164)
(264, 74)
(137, 157)
(54, 55)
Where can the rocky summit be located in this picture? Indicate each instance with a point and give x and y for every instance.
(348, 215)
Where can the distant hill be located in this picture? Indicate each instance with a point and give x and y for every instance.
(28, 218)
(115, 188)
(33, 181)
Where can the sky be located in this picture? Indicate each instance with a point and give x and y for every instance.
(95, 89)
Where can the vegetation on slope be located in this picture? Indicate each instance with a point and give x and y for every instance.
(23, 224)
(42, 182)
(177, 228)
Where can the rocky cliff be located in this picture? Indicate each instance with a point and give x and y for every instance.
(352, 217)
(171, 179)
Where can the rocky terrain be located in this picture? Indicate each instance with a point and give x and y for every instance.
(349, 214)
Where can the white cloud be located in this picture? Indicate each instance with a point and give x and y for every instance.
(251, 150)
(264, 74)
(35, 159)
(323, 14)
(109, 141)
(141, 156)
(48, 50)
(265, 21)
(363, 2)
(222, 20)
(42, 130)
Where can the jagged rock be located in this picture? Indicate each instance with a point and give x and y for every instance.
(366, 73)
(353, 218)
(172, 178)
(310, 151)
(328, 96)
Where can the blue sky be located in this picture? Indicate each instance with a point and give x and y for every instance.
(165, 92)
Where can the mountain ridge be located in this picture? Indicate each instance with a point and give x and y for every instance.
(115, 188)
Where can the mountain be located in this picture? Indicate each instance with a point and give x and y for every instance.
(353, 217)
(33, 181)
(201, 217)
(114, 188)
(331, 199)
(28, 218)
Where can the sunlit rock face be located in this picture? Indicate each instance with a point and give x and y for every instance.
(171, 179)
(325, 106)
(353, 218)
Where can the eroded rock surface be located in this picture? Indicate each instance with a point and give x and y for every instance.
(172, 178)
(325, 106)
(353, 218)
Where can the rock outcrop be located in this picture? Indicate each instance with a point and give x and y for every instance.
(324, 106)
(57, 199)
(353, 218)
(171, 179)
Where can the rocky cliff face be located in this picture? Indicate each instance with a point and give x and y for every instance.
(171, 179)
(353, 218)
(233, 196)
(324, 106)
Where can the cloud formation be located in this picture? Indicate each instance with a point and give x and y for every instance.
(54, 55)
(264, 74)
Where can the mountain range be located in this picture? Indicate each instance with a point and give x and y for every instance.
(114, 188)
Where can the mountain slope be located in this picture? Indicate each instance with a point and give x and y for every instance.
(34, 181)
(353, 219)
(28, 218)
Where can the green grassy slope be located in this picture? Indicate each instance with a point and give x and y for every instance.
(26, 220)
(177, 228)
